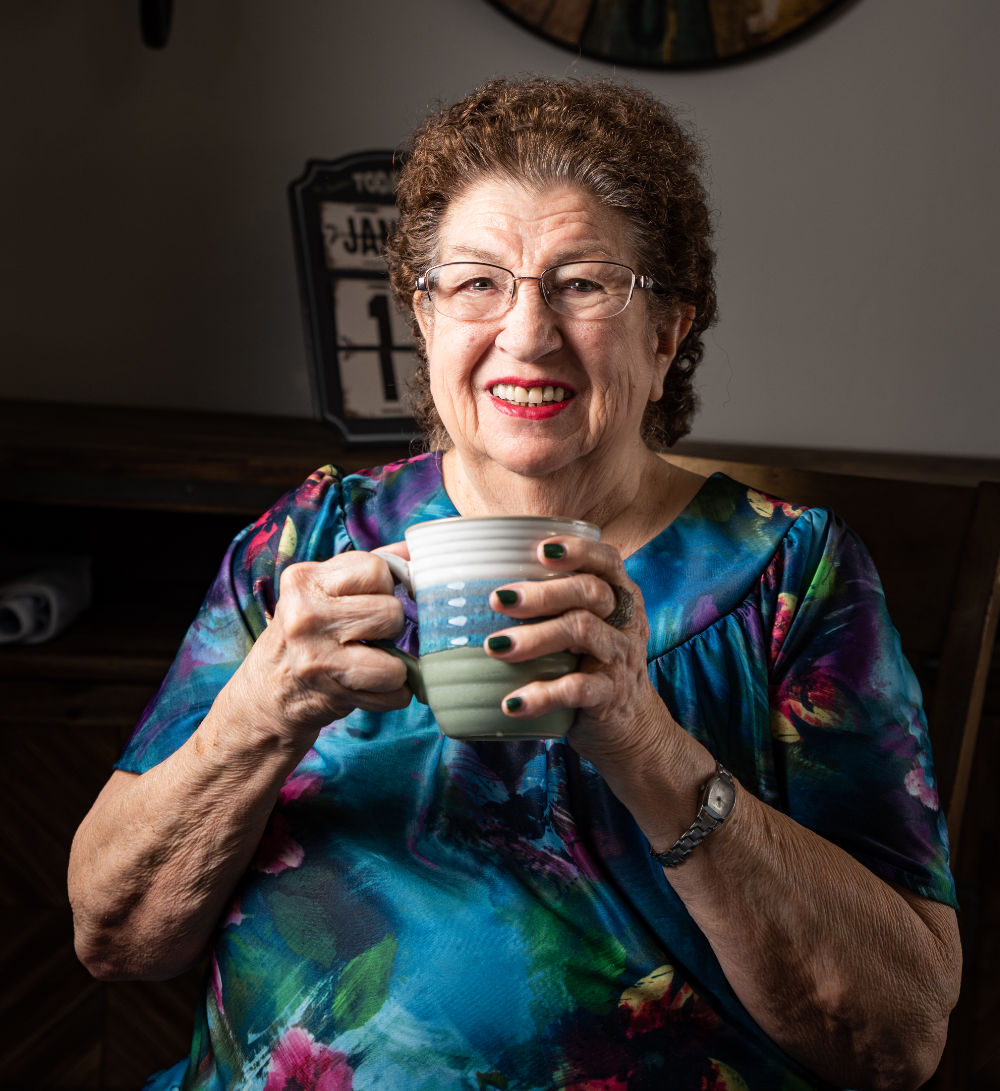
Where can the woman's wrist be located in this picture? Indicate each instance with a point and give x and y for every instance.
(241, 729)
(656, 771)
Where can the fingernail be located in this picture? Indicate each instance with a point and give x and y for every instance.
(513, 704)
(499, 643)
(553, 550)
(507, 598)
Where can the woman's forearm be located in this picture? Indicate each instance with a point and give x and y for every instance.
(848, 975)
(154, 863)
(156, 859)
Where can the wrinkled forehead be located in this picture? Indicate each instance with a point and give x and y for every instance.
(500, 221)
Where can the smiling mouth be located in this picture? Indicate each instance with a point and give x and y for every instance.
(534, 395)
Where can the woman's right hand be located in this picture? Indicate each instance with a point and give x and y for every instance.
(311, 666)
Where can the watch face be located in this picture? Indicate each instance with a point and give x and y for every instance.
(720, 797)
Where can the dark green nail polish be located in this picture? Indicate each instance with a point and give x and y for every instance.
(507, 598)
(514, 704)
(553, 550)
(499, 643)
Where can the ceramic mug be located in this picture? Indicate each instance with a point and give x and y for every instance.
(454, 565)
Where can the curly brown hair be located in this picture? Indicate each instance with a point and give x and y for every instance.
(619, 143)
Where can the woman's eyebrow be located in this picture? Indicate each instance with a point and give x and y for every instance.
(474, 253)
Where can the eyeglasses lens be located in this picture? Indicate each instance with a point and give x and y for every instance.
(581, 289)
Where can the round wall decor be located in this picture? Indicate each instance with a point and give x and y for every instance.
(667, 33)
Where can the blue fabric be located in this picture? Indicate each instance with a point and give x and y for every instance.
(430, 914)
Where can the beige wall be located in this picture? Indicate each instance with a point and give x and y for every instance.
(147, 257)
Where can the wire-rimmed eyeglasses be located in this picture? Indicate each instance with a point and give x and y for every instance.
(473, 291)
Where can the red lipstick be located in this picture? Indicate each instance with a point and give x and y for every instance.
(536, 410)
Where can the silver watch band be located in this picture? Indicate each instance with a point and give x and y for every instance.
(703, 824)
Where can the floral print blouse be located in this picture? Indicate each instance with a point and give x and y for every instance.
(426, 914)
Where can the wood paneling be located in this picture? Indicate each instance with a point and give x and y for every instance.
(62, 1029)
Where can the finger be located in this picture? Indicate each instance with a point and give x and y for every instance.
(370, 679)
(342, 621)
(567, 553)
(366, 617)
(544, 598)
(400, 549)
(364, 670)
(350, 573)
(383, 702)
(579, 690)
(339, 601)
(356, 573)
(625, 609)
(321, 663)
(578, 631)
(313, 682)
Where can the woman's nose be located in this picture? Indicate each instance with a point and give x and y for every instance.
(530, 329)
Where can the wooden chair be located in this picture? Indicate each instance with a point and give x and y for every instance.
(937, 549)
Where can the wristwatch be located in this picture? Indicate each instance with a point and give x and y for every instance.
(715, 805)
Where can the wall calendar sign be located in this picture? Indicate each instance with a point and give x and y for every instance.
(361, 350)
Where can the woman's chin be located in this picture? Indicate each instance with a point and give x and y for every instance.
(535, 457)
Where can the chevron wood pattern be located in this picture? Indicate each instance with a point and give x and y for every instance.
(60, 1028)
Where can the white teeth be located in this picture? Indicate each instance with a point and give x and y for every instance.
(521, 395)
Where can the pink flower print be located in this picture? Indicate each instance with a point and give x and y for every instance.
(302, 786)
(217, 986)
(278, 850)
(814, 700)
(784, 615)
(300, 1062)
(916, 785)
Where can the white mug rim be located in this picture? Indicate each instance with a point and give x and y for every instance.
(572, 525)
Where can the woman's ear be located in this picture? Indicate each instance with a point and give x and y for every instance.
(670, 333)
(424, 316)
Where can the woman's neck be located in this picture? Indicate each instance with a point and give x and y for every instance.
(630, 503)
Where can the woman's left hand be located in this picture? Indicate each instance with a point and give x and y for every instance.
(620, 714)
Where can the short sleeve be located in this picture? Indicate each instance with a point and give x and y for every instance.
(306, 524)
(852, 752)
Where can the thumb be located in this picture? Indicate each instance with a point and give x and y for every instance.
(400, 549)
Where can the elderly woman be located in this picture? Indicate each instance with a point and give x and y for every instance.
(733, 872)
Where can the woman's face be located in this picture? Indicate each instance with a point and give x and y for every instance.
(607, 369)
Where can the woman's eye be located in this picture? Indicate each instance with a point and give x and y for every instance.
(477, 284)
(580, 284)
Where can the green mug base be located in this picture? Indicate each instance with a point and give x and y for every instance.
(465, 689)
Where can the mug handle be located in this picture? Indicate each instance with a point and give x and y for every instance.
(412, 664)
(400, 570)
